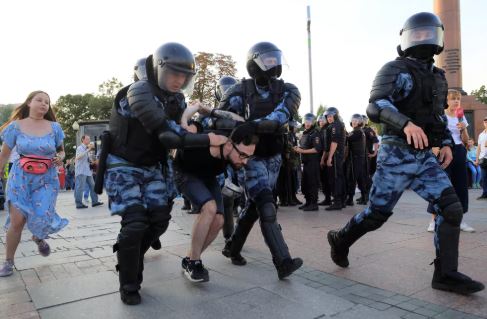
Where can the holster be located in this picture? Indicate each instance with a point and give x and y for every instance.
(102, 162)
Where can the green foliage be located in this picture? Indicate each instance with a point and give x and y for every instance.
(5, 112)
(211, 67)
(480, 94)
(321, 109)
(75, 108)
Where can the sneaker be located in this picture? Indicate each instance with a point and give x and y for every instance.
(42, 247)
(7, 268)
(288, 266)
(431, 227)
(196, 272)
(483, 197)
(97, 204)
(466, 228)
(184, 263)
(81, 206)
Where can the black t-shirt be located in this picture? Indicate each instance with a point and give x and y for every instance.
(199, 162)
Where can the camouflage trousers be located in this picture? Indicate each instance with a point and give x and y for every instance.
(261, 173)
(129, 186)
(399, 168)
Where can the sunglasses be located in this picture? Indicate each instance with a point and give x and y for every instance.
(241, 154)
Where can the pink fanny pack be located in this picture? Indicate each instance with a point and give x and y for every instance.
(35, 164)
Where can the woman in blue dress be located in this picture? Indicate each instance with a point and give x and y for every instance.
(31, 194)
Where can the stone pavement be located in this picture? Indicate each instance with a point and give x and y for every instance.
(389, 275)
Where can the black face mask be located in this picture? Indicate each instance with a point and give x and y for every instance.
(423, 52)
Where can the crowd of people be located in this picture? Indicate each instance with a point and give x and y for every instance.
(243, 157)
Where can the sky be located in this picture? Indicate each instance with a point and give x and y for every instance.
(70, 47)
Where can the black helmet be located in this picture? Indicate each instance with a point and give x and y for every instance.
(331, 111)
(309, 117)
(264, 61)
(173, 58)
(140, 71)
(422, 36)
(365, 119)
(223, 85)
(357, 118)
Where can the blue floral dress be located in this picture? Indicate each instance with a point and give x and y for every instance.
(35, 195)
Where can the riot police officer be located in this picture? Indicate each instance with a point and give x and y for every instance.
(324, 179)
(143, 125)
(140, 71)
(356, 159)
(372, 145)
(408, 97)
(271, 103)
(335, 152)
(310, 148)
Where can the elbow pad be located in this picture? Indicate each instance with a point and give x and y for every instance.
(145, 108)
(225, 124)
(292, 99)
(387, 115)
(171, 140)
(266, 127)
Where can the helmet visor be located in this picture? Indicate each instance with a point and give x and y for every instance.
(174, 81)
(269, 60)
(421, 35)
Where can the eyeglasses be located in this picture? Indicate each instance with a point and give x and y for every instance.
(241, 154)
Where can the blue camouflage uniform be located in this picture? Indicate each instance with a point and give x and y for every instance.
(261, 173)
(394, 95)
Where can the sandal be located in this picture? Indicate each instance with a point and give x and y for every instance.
(42, 246)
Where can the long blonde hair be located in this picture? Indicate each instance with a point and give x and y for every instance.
(22, 111)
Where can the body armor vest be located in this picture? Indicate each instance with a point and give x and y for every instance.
(130, 140)
(257, 107)
(425, 103)
(357, 145)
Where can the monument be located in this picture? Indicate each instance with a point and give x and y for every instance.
(451, 61)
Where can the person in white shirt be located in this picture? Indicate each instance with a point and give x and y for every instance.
(481, 159)
(457, 170)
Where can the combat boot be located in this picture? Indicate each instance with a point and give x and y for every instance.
(337, 205)
(454, 281)
(288, 266)
(236, 259)
(349, 201)
(325, 202)
(339, 254)
(310, 208)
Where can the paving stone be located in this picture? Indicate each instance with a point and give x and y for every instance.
(407, 306)
(426, 312)
(413, 316)
(379, 305)
(72, 289)
(108, 307)
(361, 312)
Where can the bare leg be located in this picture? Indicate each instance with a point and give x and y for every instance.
(14, 232)
(201, 229)
(214, 230)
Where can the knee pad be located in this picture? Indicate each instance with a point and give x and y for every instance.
(450, 207)
(267, 213)
(265, 196)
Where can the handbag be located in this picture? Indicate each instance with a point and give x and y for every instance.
(34, 164)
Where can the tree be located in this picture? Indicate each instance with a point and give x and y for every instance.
(321, 110)
(480, 94)
(75, 108)
(211, 67)
(5, 112)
